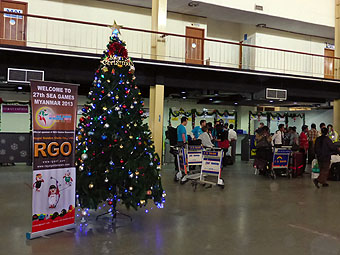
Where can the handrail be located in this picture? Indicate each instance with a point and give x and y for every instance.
(166, 34)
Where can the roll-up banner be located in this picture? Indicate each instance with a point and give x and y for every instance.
(54, 116)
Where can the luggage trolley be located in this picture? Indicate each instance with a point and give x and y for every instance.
(188, 155)
(211, 166)
(281, 159)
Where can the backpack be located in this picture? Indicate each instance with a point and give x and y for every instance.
(171, 135)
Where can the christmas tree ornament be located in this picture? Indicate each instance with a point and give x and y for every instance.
(112, 164)
(84, 156)
(132, 70)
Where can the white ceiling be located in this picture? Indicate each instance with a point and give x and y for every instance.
(238, 16)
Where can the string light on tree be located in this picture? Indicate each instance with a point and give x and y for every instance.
(116, 159)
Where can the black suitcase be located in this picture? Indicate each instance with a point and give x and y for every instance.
(227, 161)
(334, 174)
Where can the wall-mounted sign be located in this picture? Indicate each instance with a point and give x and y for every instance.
(11, 108)
(330, 46)
(15, 13)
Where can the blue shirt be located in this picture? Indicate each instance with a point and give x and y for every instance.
(181, 130)
(197, 131)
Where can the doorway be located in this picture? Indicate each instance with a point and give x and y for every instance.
(13, 26)
(194, 48)
(329, 64)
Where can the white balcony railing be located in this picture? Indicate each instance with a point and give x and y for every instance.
(79, 36)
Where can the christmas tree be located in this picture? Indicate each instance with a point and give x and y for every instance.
(116, 159)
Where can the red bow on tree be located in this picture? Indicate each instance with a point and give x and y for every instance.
(118, 49)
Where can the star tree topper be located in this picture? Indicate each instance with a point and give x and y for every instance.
(115, 28)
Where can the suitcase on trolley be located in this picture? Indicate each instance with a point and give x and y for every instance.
(297, 164)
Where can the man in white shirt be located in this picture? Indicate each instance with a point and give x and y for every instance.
(278, 136)
(205, 138)
(232, 136)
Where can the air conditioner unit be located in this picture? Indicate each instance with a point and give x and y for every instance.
(271, 94)
(15, 75)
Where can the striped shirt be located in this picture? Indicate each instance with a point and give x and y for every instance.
(312, 135)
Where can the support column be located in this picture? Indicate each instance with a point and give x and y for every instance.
(156, 117)
(336, 115)
(336, 105)
(152, 107)
(337, 40)
(159, 18)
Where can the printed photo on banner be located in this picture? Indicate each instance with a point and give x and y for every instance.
(53, 197)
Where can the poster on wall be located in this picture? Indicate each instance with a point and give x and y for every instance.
(54, 116)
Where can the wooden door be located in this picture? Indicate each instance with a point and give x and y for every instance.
(329, 64)
(194, 48)
(13, 26)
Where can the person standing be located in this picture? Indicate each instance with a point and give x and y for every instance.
(279, 135)
(333, 135)
(312, 135)
(222, 141)
(259, 129)
(226, 127)
(205, 138)
(324, 148)
(197, 131)
(322, 125)
(210, 128)
(182, 132)
(294, 139)
(303, 141)
(232, 136)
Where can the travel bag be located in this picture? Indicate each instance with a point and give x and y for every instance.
(297, 163)
(334, 174)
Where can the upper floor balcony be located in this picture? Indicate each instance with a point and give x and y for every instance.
(192, 48)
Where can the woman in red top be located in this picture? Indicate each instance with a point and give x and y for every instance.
(304, 145)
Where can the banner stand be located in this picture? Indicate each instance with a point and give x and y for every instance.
(54, 118)
(30, 235)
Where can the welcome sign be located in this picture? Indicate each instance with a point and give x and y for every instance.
(54, 112)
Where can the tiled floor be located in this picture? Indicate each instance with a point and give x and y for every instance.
(252, 215)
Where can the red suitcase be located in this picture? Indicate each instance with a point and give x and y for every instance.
(297, 164)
